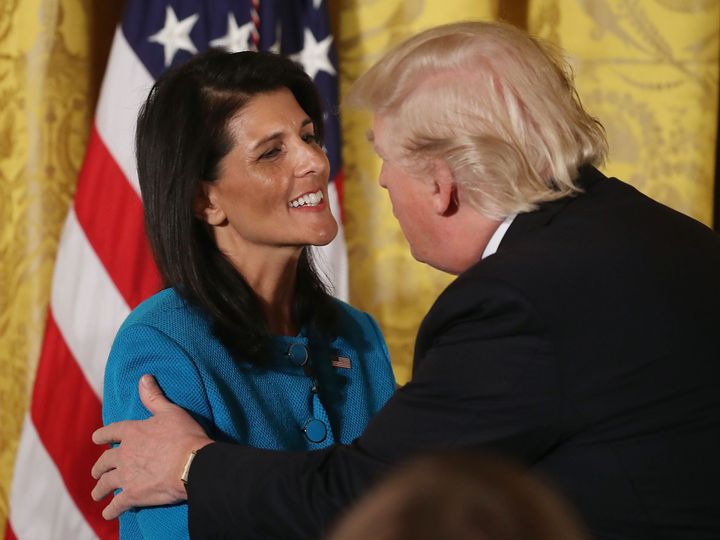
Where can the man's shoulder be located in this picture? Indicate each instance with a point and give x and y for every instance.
(610, 223)
(602, 240)
(481, 296)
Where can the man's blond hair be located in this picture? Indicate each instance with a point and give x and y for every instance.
(495, 104)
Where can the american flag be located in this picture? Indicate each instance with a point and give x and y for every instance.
(104, 267)
(341, 362)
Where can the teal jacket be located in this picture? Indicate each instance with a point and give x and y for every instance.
(284, 406)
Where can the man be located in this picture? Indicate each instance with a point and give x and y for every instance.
(580, 337)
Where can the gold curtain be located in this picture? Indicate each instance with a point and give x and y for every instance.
(52, 55)
(649, 71)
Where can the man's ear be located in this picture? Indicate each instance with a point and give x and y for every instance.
(205, 205)
(445, 199)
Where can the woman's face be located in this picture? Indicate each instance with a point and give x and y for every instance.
(272, 189)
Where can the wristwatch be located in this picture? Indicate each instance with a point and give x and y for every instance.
(186, 469)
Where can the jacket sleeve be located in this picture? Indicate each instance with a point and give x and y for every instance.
(485, 378)
(140, 349)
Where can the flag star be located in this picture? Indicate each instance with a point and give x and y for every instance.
(237, 37)
(314, 56)
(275, 47)
(175, 35)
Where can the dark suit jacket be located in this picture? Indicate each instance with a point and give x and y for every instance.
(587, 347)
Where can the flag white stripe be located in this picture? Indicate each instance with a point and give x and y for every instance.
(86, 305)
(125, 87)
(40, 506)
(332, 259)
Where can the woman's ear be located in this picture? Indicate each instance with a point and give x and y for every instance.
(205, 205)
(445, 199)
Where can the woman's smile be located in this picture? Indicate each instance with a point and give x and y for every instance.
(312, 199)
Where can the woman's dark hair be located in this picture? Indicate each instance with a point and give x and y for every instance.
(182, 136)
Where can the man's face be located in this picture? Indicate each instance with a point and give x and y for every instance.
(410, 196)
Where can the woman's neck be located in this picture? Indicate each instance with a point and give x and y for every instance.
(271, 274)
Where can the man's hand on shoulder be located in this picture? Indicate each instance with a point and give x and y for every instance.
(149, 461)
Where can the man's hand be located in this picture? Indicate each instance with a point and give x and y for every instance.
(149, 461)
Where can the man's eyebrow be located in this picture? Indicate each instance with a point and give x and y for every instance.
(370, 135)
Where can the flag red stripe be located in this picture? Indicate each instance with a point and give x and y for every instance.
(9, 533)
(340, 189)
(65, 412)
(111, 215)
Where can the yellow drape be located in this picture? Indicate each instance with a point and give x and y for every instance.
(649, 72)
(52, 54)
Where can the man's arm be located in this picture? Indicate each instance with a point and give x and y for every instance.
(488, 380)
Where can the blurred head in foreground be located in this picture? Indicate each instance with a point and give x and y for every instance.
(461, 496)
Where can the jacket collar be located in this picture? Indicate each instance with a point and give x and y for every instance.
(530, 221)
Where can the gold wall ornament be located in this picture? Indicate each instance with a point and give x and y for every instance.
(52, 53)
(649, 72)
(384, 278)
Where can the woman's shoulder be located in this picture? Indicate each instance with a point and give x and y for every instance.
(164, 310)
(346, 311)
(353, 320)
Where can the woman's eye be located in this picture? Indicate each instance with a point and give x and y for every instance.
(270, 153)
(309, 137)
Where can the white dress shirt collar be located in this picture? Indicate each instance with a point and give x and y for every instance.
(496, 238)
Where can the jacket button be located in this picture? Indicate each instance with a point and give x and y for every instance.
(298, 354)
(315, 430)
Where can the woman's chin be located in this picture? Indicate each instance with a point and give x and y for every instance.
(325, 235)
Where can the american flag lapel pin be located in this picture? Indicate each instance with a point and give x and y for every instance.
(341, 362)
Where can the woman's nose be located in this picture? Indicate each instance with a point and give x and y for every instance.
(311, 159)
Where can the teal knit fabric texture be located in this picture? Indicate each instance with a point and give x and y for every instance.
(343, 384)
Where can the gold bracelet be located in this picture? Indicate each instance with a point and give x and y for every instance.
(186, 469)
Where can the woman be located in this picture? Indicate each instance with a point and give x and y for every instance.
(234, 183)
